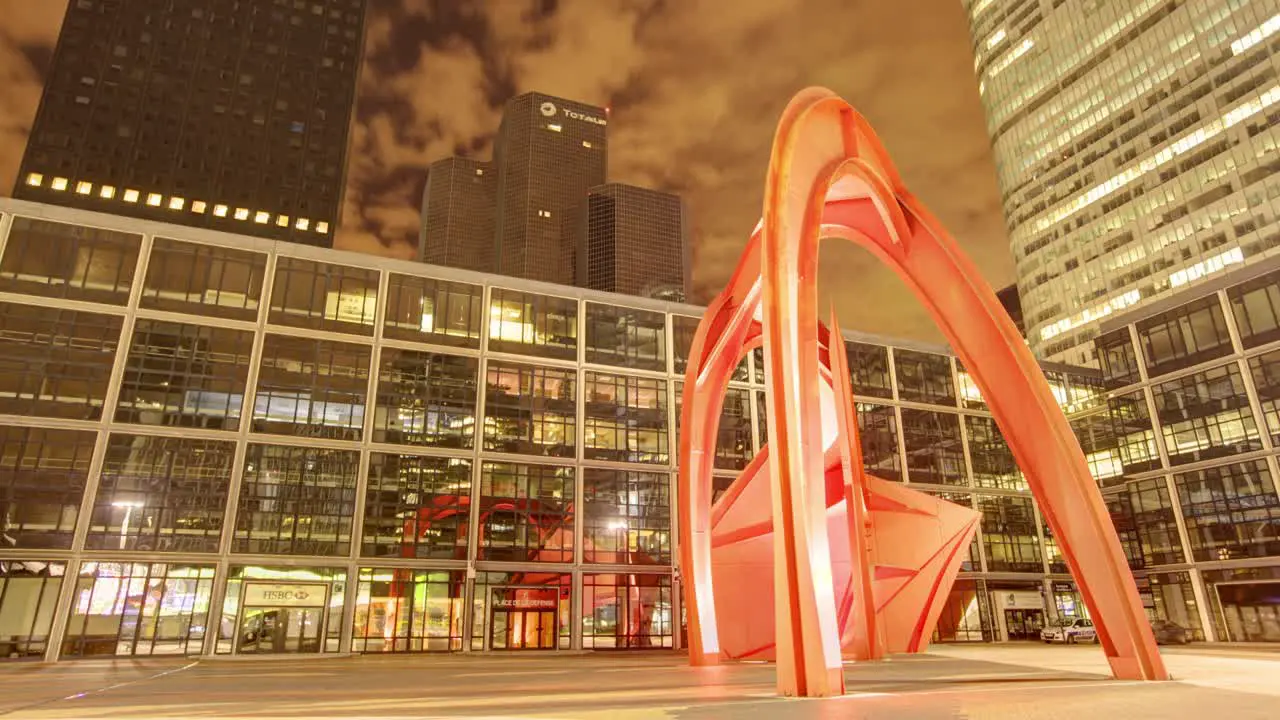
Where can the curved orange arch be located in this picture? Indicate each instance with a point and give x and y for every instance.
(829, 176)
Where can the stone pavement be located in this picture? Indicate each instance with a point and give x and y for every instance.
(982, 681)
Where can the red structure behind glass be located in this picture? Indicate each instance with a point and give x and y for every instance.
(806, 558)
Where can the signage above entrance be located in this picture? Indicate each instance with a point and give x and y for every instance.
(525, 603)
(285, 595)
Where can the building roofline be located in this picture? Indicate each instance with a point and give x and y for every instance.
(121, 223)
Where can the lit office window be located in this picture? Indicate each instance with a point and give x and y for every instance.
(184, 375)
(161, 494)
(627, 517)
(296, 501)
(426, 399)
(527, 512)
(530, 410)
(59, 260)
(42, 477)
(204, 279)
(417, 507)
(312, 388)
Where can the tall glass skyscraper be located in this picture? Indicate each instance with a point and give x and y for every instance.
(208, 113)
(1136, 148)
(636, 243)
(550, 151)
(457, 214)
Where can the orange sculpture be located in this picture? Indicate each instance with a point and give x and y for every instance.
(857, 564)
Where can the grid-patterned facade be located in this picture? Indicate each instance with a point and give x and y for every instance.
(1192, 386)
(550, 152)
(209, 113)
(192, 423)
(458, 215)
(636, 243)
(1135, 144)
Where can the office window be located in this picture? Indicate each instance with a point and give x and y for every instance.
(28, 597)
(401, 610)
(924, 377)
(1206, 415)
(733, 440)
(970, 395)
(973, 562)
(626, 337)
(869, 369)
(1232, 511)
(322, 296)
(204, 280)
(439, 312)
(1170, 596)
(530, 410)
(138, 609)
(1188, 335)
(1135, 439)
(57, 260)
(683, 328)
(626, 419)
(626, 610)
(627, 517)
(1118, 358)
(426, 399)
(417, 507)
(161, 494)
(878, 433)
(1097, 438)
(1052, 552)
(1120, 508)
(762, 417)
(185, 375)
(296, 501)
(1256, 307)
(55, 363)
(934, 452)
(993, 463)
(531, 324)
(526, 513)
(1265, 370)
(1009, 534)
(42, 480)
(313, 388)
(1154, 521)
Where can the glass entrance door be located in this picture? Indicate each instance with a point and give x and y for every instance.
(523, 630)
(267, 630)
(1024, 624)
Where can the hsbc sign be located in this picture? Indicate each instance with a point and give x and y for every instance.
(548, 109)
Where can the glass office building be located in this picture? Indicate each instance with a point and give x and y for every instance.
(1193, 384)
(1136, 147)
(222, 444)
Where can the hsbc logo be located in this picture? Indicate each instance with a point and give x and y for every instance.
(548, 109)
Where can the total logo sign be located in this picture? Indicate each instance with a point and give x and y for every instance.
(548, 109)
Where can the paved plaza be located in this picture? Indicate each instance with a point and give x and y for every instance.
(1007, 681)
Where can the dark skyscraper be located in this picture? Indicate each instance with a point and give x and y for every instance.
(225, 114)
(635, 243)
(458, 215)
(549, 153)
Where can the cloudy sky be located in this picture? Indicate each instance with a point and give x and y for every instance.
(695, 88)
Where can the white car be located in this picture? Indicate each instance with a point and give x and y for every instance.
(1070, 631)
